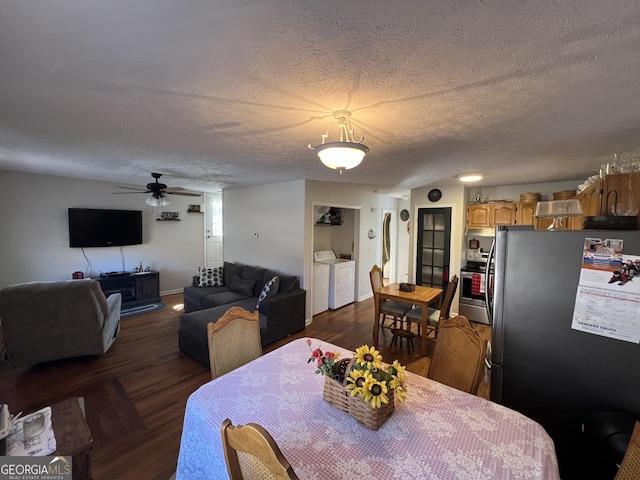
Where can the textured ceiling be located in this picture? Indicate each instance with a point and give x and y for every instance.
(223, 93)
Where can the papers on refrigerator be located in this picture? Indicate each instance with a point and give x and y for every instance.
(608, 297)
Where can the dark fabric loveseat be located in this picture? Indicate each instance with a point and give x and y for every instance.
(282, 312)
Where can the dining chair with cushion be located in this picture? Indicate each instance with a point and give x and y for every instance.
(388, 308)
(233, 340)
(434, 316)
(459, 355)
(630, 466)
(252, 453)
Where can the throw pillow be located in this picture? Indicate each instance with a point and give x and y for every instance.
(210, 277)
(269, 290)
(242, 285)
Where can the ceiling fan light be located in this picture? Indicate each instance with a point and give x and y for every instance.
(156, 201)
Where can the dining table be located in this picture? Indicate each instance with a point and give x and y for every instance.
(437, 433)
(421, 296)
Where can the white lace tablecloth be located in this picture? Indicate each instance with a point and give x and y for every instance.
(438, 433)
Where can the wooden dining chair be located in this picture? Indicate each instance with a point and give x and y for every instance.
(630, 466)
(459, 355)
(233, 340)
(388, 308)
(434, 316)
(252, 453)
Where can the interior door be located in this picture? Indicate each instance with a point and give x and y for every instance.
(434, 245)
(213, 238)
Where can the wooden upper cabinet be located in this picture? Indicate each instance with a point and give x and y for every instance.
(478, 215)
(591, 199)
(620, 191)
(525, 213)
(503, 213)
(482, 215)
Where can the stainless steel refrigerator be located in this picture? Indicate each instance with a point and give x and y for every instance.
(540, 365)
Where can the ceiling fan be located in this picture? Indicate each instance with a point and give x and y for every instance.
(158, 191)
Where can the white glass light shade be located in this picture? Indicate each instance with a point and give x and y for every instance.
(156, 201)
(341, 155)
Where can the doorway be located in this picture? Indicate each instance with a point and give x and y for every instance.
(433, 247)
(213, 235)
(388, 246)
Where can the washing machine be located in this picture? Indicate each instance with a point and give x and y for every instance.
(342, 276)
(320, 289)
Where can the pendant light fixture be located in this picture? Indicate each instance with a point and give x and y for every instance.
(343, 154)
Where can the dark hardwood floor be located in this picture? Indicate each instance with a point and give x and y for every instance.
(135, 395)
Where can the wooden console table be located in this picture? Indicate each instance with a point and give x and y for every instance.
(73, 437)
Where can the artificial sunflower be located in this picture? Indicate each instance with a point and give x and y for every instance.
(368, 357)
(356, 381)
(398, 387)
(397, 370)
(375, 392)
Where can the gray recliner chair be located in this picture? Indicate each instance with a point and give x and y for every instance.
(44, 321)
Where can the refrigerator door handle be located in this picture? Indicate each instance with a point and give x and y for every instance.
(488, 298)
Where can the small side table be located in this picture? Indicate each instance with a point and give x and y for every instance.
(73, 437)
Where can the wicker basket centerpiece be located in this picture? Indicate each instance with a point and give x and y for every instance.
(361, 386)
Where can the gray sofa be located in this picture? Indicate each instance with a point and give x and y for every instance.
(44, 321)
(281, 313)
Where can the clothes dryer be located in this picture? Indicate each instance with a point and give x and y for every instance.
(342, 275)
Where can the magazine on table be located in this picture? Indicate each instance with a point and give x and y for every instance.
(32, 435)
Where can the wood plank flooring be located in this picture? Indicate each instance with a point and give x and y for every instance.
(135, 395)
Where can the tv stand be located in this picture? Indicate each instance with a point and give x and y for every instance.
(135, 288)
(114, 274)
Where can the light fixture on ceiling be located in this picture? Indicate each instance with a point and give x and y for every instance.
(345, 153)
(156, 200)
(473, 177)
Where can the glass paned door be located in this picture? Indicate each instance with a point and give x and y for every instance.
(434, 240)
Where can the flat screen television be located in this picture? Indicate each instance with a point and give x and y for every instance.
(92, 227)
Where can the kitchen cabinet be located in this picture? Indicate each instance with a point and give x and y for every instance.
(503, 213)
(479, 215)
(620, 191)
(591, 199)
(482, 215)
(525, 215)
(609, 193)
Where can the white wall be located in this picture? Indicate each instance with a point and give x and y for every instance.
(367, 206)
(404, 241)
(275, 213)
(457, 198)
(34, 244)
(453, 197)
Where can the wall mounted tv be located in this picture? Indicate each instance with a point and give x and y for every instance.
(91, 227)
